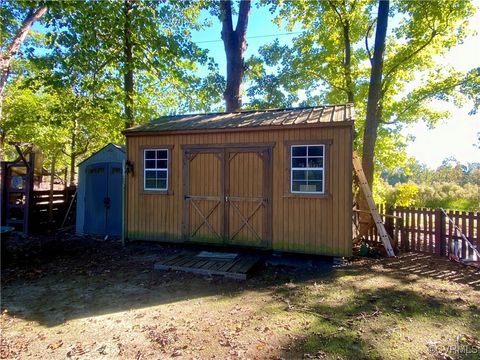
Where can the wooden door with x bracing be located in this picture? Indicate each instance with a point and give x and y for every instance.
(227, 195)
(204, 198)
(248, 198)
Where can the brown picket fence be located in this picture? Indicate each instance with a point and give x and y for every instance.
(431, 230)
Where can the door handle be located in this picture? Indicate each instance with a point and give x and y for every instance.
(106, 202)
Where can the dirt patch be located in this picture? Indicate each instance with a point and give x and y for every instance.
(91, 299)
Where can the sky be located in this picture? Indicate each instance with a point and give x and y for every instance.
(453, 137)
(457, 135)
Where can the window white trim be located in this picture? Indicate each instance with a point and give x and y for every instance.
(166, 168)
(307, 168)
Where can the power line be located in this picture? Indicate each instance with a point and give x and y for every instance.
(253, 37)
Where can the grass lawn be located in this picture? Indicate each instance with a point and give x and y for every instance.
(97, 300)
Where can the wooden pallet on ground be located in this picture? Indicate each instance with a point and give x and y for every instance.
(234, 267)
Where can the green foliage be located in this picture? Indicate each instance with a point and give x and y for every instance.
(449, 195)
(12, 13)
(87, 44)
(471, 88)
(446, 195)
(400, 195)
(405, 194)
(67, 82)
(316, 64)
(36, 111)
(450, 186)
(451, 170)
(66, 93)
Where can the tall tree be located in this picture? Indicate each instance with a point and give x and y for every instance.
(235, 44)
(322, 60)
(74, 86)
(128, 64)
(54, 114)
(12, 48)
(141, 49)
(15, 44)
(372, 120)
(316, 65)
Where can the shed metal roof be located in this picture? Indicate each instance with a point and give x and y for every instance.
(109, 145)
(249, 119)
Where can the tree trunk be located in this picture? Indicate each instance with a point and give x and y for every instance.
(50, 196)
(235, 45)
(72, 152)
(347, 63)
(6, 59)
(372, 120)
(128, 64)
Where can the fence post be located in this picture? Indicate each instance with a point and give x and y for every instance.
(399, 211)
(50, 196)
(389, 223)
(439, 232)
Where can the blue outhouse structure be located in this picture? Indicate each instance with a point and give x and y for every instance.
(100, 192)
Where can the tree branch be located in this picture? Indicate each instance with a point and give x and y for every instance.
(334, 8)
(82, 150)
(428, 95)
(411, 55)
(370, 27)
(6, 58)
(23, 31)
(315, 75)
(113, 54)
(242, 22)
(226, 17)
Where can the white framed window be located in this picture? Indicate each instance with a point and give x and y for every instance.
(155, 169)
(307, 166)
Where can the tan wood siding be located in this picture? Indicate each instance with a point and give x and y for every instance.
(204, 204)
(317, 225)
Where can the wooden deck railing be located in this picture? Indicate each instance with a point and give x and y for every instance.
(48, 210)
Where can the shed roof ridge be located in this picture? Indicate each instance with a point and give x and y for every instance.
(250, 111)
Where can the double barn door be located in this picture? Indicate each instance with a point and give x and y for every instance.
(227, 195)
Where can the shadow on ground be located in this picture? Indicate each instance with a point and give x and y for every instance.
(355, 311)
(417, 304)
(56, 281)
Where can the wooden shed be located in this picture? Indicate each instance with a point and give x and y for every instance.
(100, 192)
(271, 179)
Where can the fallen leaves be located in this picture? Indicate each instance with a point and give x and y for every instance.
(54, 346)
(102, 350)
(13, 349)
(76, 350)
(176, 353)
(162, 338)
(5, 349)
(319, 355)
(187, 317)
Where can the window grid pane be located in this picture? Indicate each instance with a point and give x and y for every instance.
(156, 169)
(307, 168)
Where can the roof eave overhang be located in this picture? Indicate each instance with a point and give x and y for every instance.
(345, 123)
